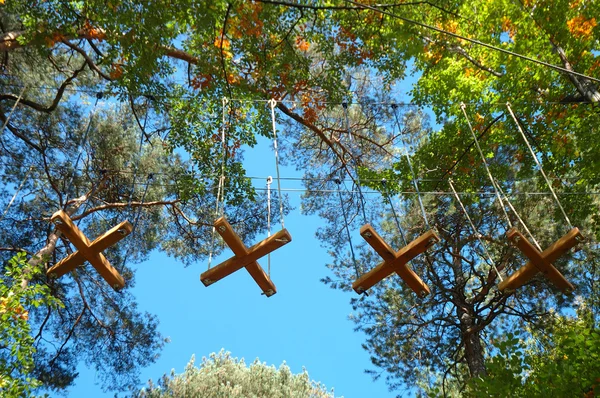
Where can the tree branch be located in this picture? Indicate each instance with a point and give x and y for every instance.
(87, 58)
(109, 206)
(57, 98)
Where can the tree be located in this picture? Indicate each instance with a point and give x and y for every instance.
(561, 362)
(221, 375)
(16, 342)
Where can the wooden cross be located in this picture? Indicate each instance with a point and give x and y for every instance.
(90, 251)
(394, 261)
(245, 257)
(540, 262)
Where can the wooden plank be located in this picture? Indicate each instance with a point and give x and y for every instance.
(65, 225)
(540, 261)
(100, 244)
(107, 271)
(543, 265)
(413, 281)
(230, 237)
(261, 278)
(398, 265)
(377, 243)
(255, 252)
(418, 245)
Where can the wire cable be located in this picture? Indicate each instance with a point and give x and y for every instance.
(16, 193)
(136, 219)
(337, 181)
(82, 143)
(358, 183)
(500, 202)
(386, 193)
(539, 165)
(273, 104)
(14, 107)
(221, 186)
(519, 218)
(477, 234)
(269, 182)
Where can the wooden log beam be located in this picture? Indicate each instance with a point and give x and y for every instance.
(540, 262)
(85, 249)
(394, 261)
(245, 257)
(100, 244)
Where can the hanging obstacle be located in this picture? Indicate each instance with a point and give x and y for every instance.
(245, 257)
(397, 261)
(90, 251)
(540, 261)
(394, 261)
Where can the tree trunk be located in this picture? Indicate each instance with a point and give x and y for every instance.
(474, 354)
(465, 313)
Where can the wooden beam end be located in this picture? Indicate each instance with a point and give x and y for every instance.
(432, 238)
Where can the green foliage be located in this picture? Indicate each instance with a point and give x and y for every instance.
(17, 345)
(222, 376)
(563, 362)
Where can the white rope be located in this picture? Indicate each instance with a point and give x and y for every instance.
(477, 234)
(30, 167)
(269, 181)
(538, 164)
(221, 187)
(520, 219)
(273, 104)
(13, 108)
(16, 193)
(501, 203)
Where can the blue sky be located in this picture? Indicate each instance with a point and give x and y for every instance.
(305, 324)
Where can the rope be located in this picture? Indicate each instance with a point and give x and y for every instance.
(137, 164)
(269, 181)
(133, 183)
(387, 194)
(519, 218)
(477, 234)
(539, 165)
(16, 193)
(137, 217)
(358, 183)
(82, 143)
(500, 202)
(221, 187)
(14, 107)
(30, 167)
(273, 104)
(414, 177)
(338, 181)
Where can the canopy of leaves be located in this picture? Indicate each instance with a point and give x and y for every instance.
(17, 345)
(562, 362)
(221, 375)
